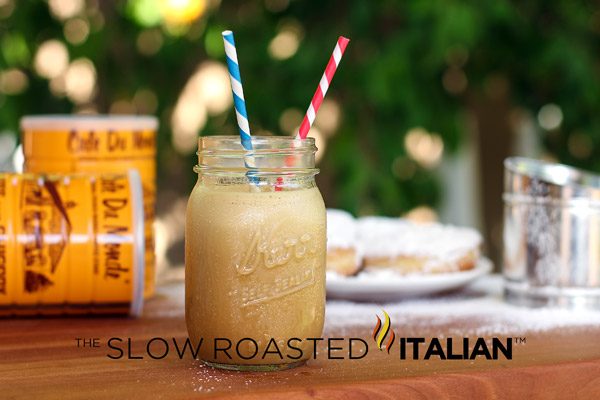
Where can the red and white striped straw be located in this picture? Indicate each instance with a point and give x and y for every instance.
(317, 99)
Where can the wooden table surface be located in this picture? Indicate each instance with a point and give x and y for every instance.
(39, 359)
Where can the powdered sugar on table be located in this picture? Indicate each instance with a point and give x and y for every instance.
(478, 310)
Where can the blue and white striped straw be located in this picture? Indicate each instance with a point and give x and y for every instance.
(236, 87)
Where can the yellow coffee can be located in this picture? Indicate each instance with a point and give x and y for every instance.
(97, 144)
(71, 244)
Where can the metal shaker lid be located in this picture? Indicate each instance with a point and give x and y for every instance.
(542, 179)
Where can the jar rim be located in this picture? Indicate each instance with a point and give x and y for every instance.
(270, 155)
(232, 145)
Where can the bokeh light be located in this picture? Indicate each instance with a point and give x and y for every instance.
(145, 12)
(6, 8)
(285, 44)
(206, 92)
(15, 49)
(96, 19)
(149, 42)
(76, 30)
(65, 9)
(51, 59)
(13, 81)
(328, 118)
(422, 214)
(181, 12)
(550, 117)
(146, 101)
(212, 85)
(80, 80)
(454, 81)
(403, 168)
(58, 86)
(188, 118)
(424, 147)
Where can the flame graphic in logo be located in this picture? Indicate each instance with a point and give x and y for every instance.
(380, 332)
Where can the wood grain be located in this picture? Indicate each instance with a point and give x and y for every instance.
(39, 359)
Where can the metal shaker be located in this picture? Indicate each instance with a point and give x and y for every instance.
(551, 235)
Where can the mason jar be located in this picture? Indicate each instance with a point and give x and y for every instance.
(255, 248)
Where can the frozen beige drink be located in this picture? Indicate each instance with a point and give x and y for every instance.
(255, 270)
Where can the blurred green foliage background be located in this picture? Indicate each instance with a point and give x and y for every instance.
(414, 75)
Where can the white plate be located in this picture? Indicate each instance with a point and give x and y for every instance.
(387, 285)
